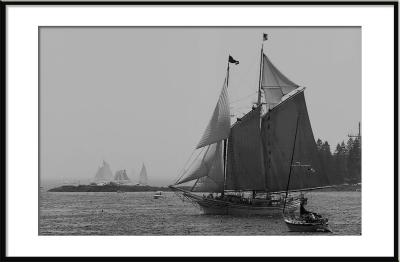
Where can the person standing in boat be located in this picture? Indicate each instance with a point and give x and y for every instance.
(307, 215)
(303, 211)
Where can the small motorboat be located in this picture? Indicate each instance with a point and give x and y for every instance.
(157, 195)
(300, 225)
(307, 221)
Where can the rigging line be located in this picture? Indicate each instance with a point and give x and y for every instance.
(182, 172)
(191, 164)
(291, 163)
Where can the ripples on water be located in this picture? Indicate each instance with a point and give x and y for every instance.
(139, 214)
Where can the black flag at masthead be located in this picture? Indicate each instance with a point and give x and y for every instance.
(233, 61)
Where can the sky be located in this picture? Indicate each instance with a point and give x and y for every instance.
(133, 95)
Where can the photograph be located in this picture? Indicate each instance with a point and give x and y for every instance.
(200, 131)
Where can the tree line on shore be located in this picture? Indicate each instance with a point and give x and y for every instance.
(344, 164)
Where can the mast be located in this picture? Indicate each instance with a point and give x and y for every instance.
(291, 162)
(225, 142)
(259, 79)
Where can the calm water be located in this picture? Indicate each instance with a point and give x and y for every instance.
(140, 214)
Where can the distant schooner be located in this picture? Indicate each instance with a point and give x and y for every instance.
(104, 174)
(143, 180)
(121, 177)
(254, 155)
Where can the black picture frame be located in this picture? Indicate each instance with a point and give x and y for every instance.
(3, 209)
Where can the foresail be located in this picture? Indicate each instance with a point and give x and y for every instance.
(274, 83)
(209, 164)
(206, 184)
(220, 123)
(278, 131)
(245, 169)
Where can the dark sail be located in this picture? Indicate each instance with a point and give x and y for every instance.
(278, 131)
(244, 160)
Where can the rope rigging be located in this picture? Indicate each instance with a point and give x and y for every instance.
(184, 169)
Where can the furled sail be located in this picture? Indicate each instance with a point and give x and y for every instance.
(274, 83)
(208, 164)
(104, 173)
(220, 122)
(245, 167)
(278, 131)
(143, 176)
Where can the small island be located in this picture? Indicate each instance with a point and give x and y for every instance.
(110, 187)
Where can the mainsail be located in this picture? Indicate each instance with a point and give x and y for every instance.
(245, 164)
(278, 130)
(143, 176)
(103, 174)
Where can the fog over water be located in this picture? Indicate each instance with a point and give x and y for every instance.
(145, 95)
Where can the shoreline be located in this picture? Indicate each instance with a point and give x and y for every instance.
(107, 188)
(136, 188)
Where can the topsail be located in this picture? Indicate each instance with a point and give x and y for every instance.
(274, 83)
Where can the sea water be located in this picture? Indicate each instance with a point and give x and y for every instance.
(137, 213)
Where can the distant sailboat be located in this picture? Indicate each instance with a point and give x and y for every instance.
(104, 174)
(253, 156)
(121, 177)
(143, 180)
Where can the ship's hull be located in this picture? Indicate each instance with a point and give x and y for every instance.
(211, 206)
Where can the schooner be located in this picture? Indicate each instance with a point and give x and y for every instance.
(248, 163)
(143, 180)
(103, 174)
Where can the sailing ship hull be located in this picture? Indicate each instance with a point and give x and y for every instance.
(211, 206)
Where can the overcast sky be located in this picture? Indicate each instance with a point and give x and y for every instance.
(132, 95)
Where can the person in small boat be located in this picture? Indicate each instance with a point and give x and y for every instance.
(307, 215)
(303, 212)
